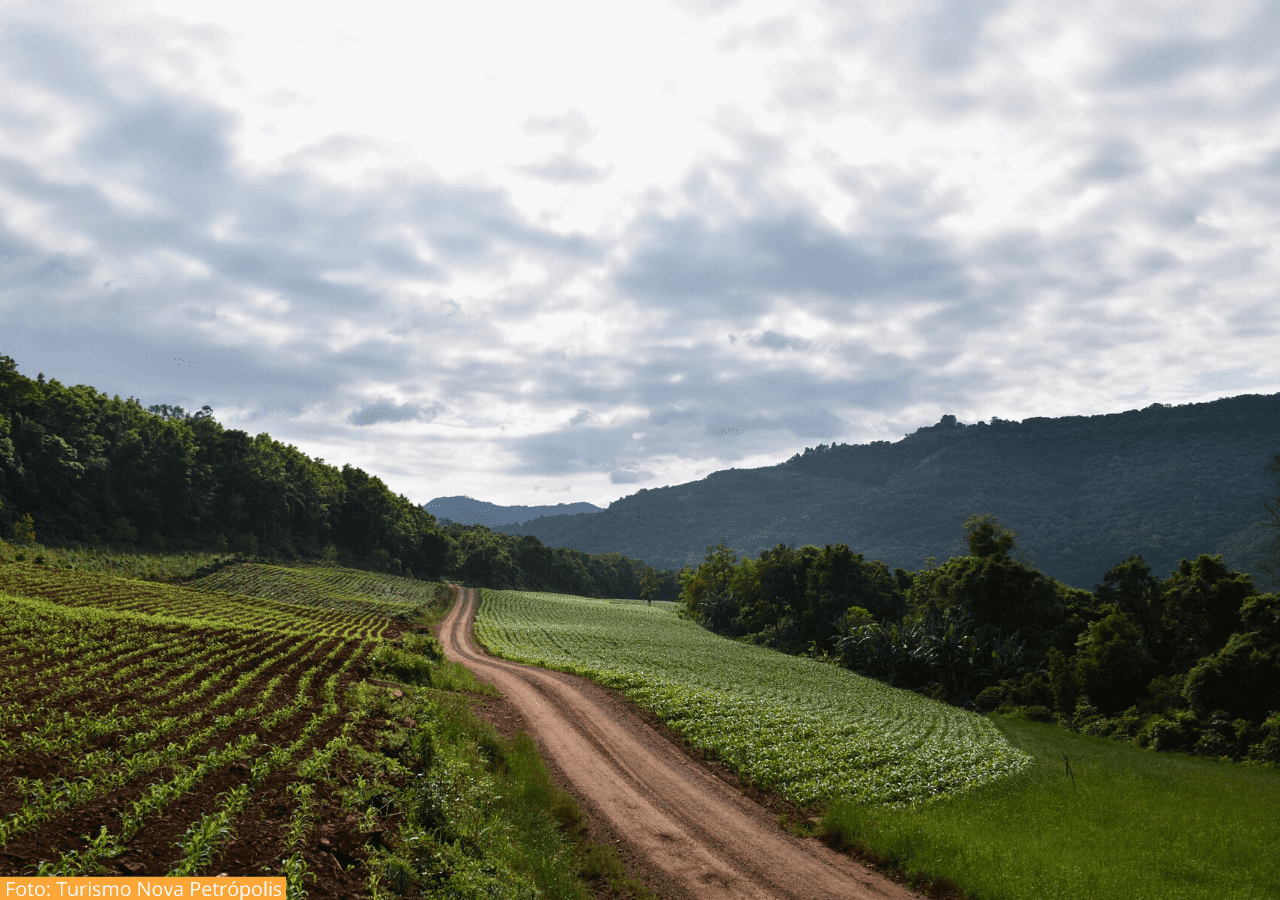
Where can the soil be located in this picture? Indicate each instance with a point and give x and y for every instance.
(684, 826)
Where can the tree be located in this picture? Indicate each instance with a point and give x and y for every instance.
(1202, 603)
(649, 585)
(1112, 667)
(1269, 566)
(983, 536)
(705, 588)
(1131, 587)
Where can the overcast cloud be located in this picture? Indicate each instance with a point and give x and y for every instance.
(542, 253)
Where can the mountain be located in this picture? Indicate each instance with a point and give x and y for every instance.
(477, 512)
(1082, 492)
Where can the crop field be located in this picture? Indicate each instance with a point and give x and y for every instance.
(213, 608)
(146, 729)
(807, 729)
(322, 587)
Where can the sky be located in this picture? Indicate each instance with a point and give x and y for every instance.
(540, 253)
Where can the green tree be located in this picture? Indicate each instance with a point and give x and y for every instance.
(24, 531)
(1269, 566)
(649, 585)
(705, 590)
(984, 536)
(1131, 587)
(1242, 678)
(1201, 610)
(1111, 665)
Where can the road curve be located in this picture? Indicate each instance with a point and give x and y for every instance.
(709, 840)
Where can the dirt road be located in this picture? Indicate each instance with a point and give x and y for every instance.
(699, 836)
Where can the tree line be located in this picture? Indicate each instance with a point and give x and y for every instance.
(1190, 662)
(79, 467)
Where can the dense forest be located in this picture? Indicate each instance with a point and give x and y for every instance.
(80, 468)
(1190, 662)
(1165, 483)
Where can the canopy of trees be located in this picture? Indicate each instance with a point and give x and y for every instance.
(78, 466)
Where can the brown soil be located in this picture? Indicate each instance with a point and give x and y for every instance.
(683, 826)
(257, 846)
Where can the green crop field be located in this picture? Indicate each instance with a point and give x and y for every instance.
(106, 592)
(323, 587)
(807, 729)
(276, 720)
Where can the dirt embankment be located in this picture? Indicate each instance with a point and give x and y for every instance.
(690, 834)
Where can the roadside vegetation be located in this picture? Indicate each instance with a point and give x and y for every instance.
(1026, 811)
(155, 729)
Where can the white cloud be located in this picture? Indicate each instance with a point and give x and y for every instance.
(506, 246)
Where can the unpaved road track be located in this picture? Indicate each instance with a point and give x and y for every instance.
(705, 837)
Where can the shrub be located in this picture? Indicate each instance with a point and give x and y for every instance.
(1175, 731)
(1037, 713)
(1267, 750)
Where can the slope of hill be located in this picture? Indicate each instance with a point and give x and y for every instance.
(468, 511)
(1083, 493)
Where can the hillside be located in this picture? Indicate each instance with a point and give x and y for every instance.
(468, 511)
(1082, 492)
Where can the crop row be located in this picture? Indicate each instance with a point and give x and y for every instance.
(322, 587)
(809, 729)
(196, 607)
(137, 751)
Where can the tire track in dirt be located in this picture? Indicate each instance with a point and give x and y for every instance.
(707, 840)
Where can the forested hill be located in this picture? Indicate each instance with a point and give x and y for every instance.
(1082, 493)
(470, 511)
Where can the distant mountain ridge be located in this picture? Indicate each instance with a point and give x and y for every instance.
(1082, 492)
(469, 511)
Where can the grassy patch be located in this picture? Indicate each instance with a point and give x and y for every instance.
(1134, 825)
(478, 815)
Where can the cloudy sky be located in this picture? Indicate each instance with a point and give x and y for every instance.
(548, 252)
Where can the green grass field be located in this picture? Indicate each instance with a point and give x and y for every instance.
(1132, 825)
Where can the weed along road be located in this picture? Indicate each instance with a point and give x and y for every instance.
(698, 835)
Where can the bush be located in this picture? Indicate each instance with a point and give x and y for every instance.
(1177, 730)
(245, 543)
(1267, 750)
(1036, 713)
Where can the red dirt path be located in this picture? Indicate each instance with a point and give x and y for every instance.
(692, 835)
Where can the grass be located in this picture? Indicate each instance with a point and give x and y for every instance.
(1134, 825)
